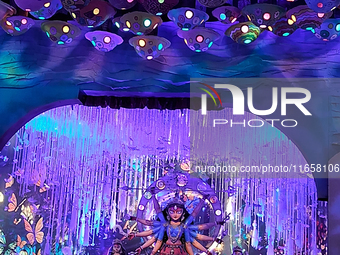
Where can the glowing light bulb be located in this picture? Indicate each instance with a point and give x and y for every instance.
(160, 46)
(286, 34)
(247, 41)
(293, 18)
(128, 24)
(74, 15)
(107, 39)
(149, 57)
(155, 26)
(233, 20)
(66, 29)
(320, 15)
(96, 11)
(263, 26)
(24, 21)
(223, 16)
(117, 24)
(189, 14)
(270, 28)
(1, 197)
(290, 22)
(8, 23)
(199, 38)
(46, 5)
(320, 5)
(266, 16)
(337, 28)
(160, 1)
(245, 29)
(147, 22)
(142, 43)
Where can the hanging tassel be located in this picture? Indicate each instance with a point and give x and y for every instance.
(247, 216)
(113, 216)
(255, 236)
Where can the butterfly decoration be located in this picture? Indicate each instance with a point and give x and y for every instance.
(9, 182)
(2, 241)
(19, 172)
(36, 234)
(20, 243)
(12, 204)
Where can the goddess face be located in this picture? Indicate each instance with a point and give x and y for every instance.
(175, 212)
(117, 248)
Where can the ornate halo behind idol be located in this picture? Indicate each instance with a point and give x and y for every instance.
(178, 188)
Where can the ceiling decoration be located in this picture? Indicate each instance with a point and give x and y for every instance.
(30, 5)
(104, 41)
(305, 18)
(48, 10)
(243, 33)
(94, 14)
(283, 27)
(329, 30)
(149, 46)
(212, 3)
(263, 15)
(140, 23)
(6, 10)
(60, 32)
(187, 18)
(322, 6)
(158, 7)
(199, 39)
(123, 4)
(17, 25)
(227, 14)
(190, 21)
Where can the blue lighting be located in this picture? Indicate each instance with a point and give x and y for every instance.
(286, 34)
(139, 33)
(337, 28)
(17, 29)
(117, 24)
(247, 41)
(94, 43)
(60, 42)
(309, 28)
(41, 18)
(210, 44)
(223, 16)
(198, 50)
(159, 14)
(48, 34)
(185, 29)
(160, 46)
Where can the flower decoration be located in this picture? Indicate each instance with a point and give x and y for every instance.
(199, 39)
(123, 4)
(30, 5)
(158, 7)
(263, 15)
(48, 10)
(104, 41)
(94, 14)
(149, 46)
(140, 23)
(283, 27)
(6, 10)
(243, 33)
(60, 32)
(227, 14)
(329, 30)
(305, 18)
(17, 25)
(322, 6)
(212, 3)
(187, 18)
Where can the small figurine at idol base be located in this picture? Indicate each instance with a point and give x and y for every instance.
(173, 232)
(117, 248)
(237, 251)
